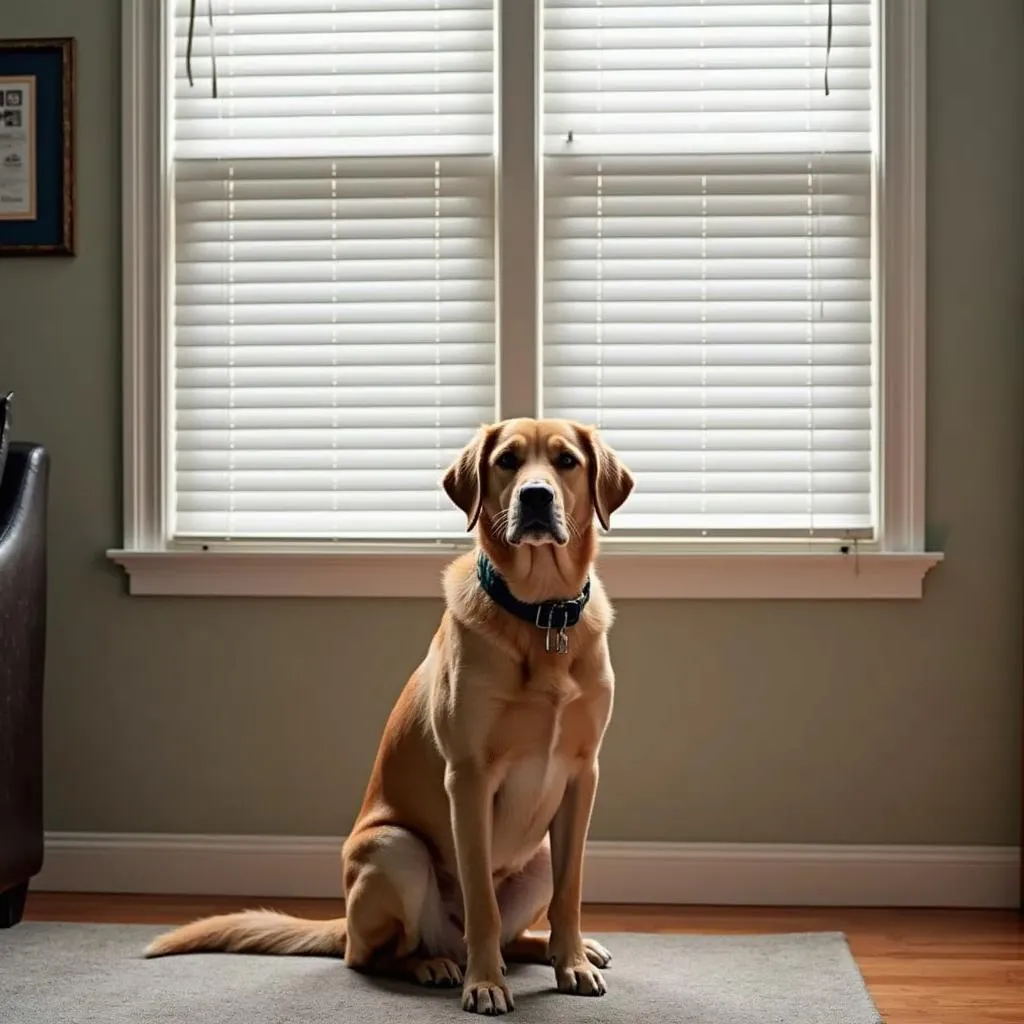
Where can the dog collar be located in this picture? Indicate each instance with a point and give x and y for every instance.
(554, 617)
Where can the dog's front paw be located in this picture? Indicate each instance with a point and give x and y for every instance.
(580, 977)
(486, 991)
(489, 997)
(576, 963)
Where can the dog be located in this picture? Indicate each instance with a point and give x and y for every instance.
(478, 806)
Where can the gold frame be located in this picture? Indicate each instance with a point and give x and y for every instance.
(66, 47)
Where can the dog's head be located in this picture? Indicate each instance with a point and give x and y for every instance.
(537, 481)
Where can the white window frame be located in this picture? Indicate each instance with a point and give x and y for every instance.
(892, 567)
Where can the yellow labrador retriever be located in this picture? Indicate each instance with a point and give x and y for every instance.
(477, 810)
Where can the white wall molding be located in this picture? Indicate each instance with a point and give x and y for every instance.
(266, 867)
(144, 170)
(901, 248)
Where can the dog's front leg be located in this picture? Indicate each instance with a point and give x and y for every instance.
(472, 801)
(573, 969)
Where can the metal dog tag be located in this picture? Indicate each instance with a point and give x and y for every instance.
(560, 645)
(556, 638)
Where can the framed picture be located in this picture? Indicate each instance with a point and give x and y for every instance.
(37, 176)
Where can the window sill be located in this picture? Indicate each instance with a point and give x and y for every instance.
(628, 574)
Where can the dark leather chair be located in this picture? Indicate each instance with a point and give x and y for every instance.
(23, 513)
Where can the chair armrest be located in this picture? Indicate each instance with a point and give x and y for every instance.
(23, 499)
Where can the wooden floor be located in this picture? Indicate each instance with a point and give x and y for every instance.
(922, 966)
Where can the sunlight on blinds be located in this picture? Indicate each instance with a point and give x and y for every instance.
(707, 271)
(333, 301)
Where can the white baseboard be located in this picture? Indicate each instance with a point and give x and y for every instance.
(675, 873)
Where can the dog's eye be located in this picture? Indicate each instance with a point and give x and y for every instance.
(567, 461)
(507, 460)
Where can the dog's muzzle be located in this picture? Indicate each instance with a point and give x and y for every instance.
(536, 516)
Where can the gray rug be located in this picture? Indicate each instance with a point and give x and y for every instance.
(75, 973)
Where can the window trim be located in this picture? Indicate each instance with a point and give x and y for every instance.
(894, 566)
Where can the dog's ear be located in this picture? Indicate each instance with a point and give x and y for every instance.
(610, 482)
(465, 482)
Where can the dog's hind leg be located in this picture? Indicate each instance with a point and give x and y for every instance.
(394, 914)
(523, 899)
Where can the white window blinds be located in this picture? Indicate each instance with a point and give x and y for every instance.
(333, 294)
(707, 274)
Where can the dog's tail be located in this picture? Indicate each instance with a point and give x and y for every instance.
(254, 931)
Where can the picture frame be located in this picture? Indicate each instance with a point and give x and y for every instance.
(37, 165)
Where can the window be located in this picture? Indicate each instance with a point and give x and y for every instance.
(397, 219)
(332, 336)
(707, 272)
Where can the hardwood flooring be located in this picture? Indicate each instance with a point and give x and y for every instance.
(921, 966)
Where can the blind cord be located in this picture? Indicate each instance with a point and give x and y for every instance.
(828, 44)
(191, 36)
(188, 45)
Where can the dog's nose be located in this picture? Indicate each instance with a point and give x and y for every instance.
(536, 496)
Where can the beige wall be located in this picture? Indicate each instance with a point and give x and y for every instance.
(797, 722)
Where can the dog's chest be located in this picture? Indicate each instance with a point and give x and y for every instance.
(540, 744)
(524, 805)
